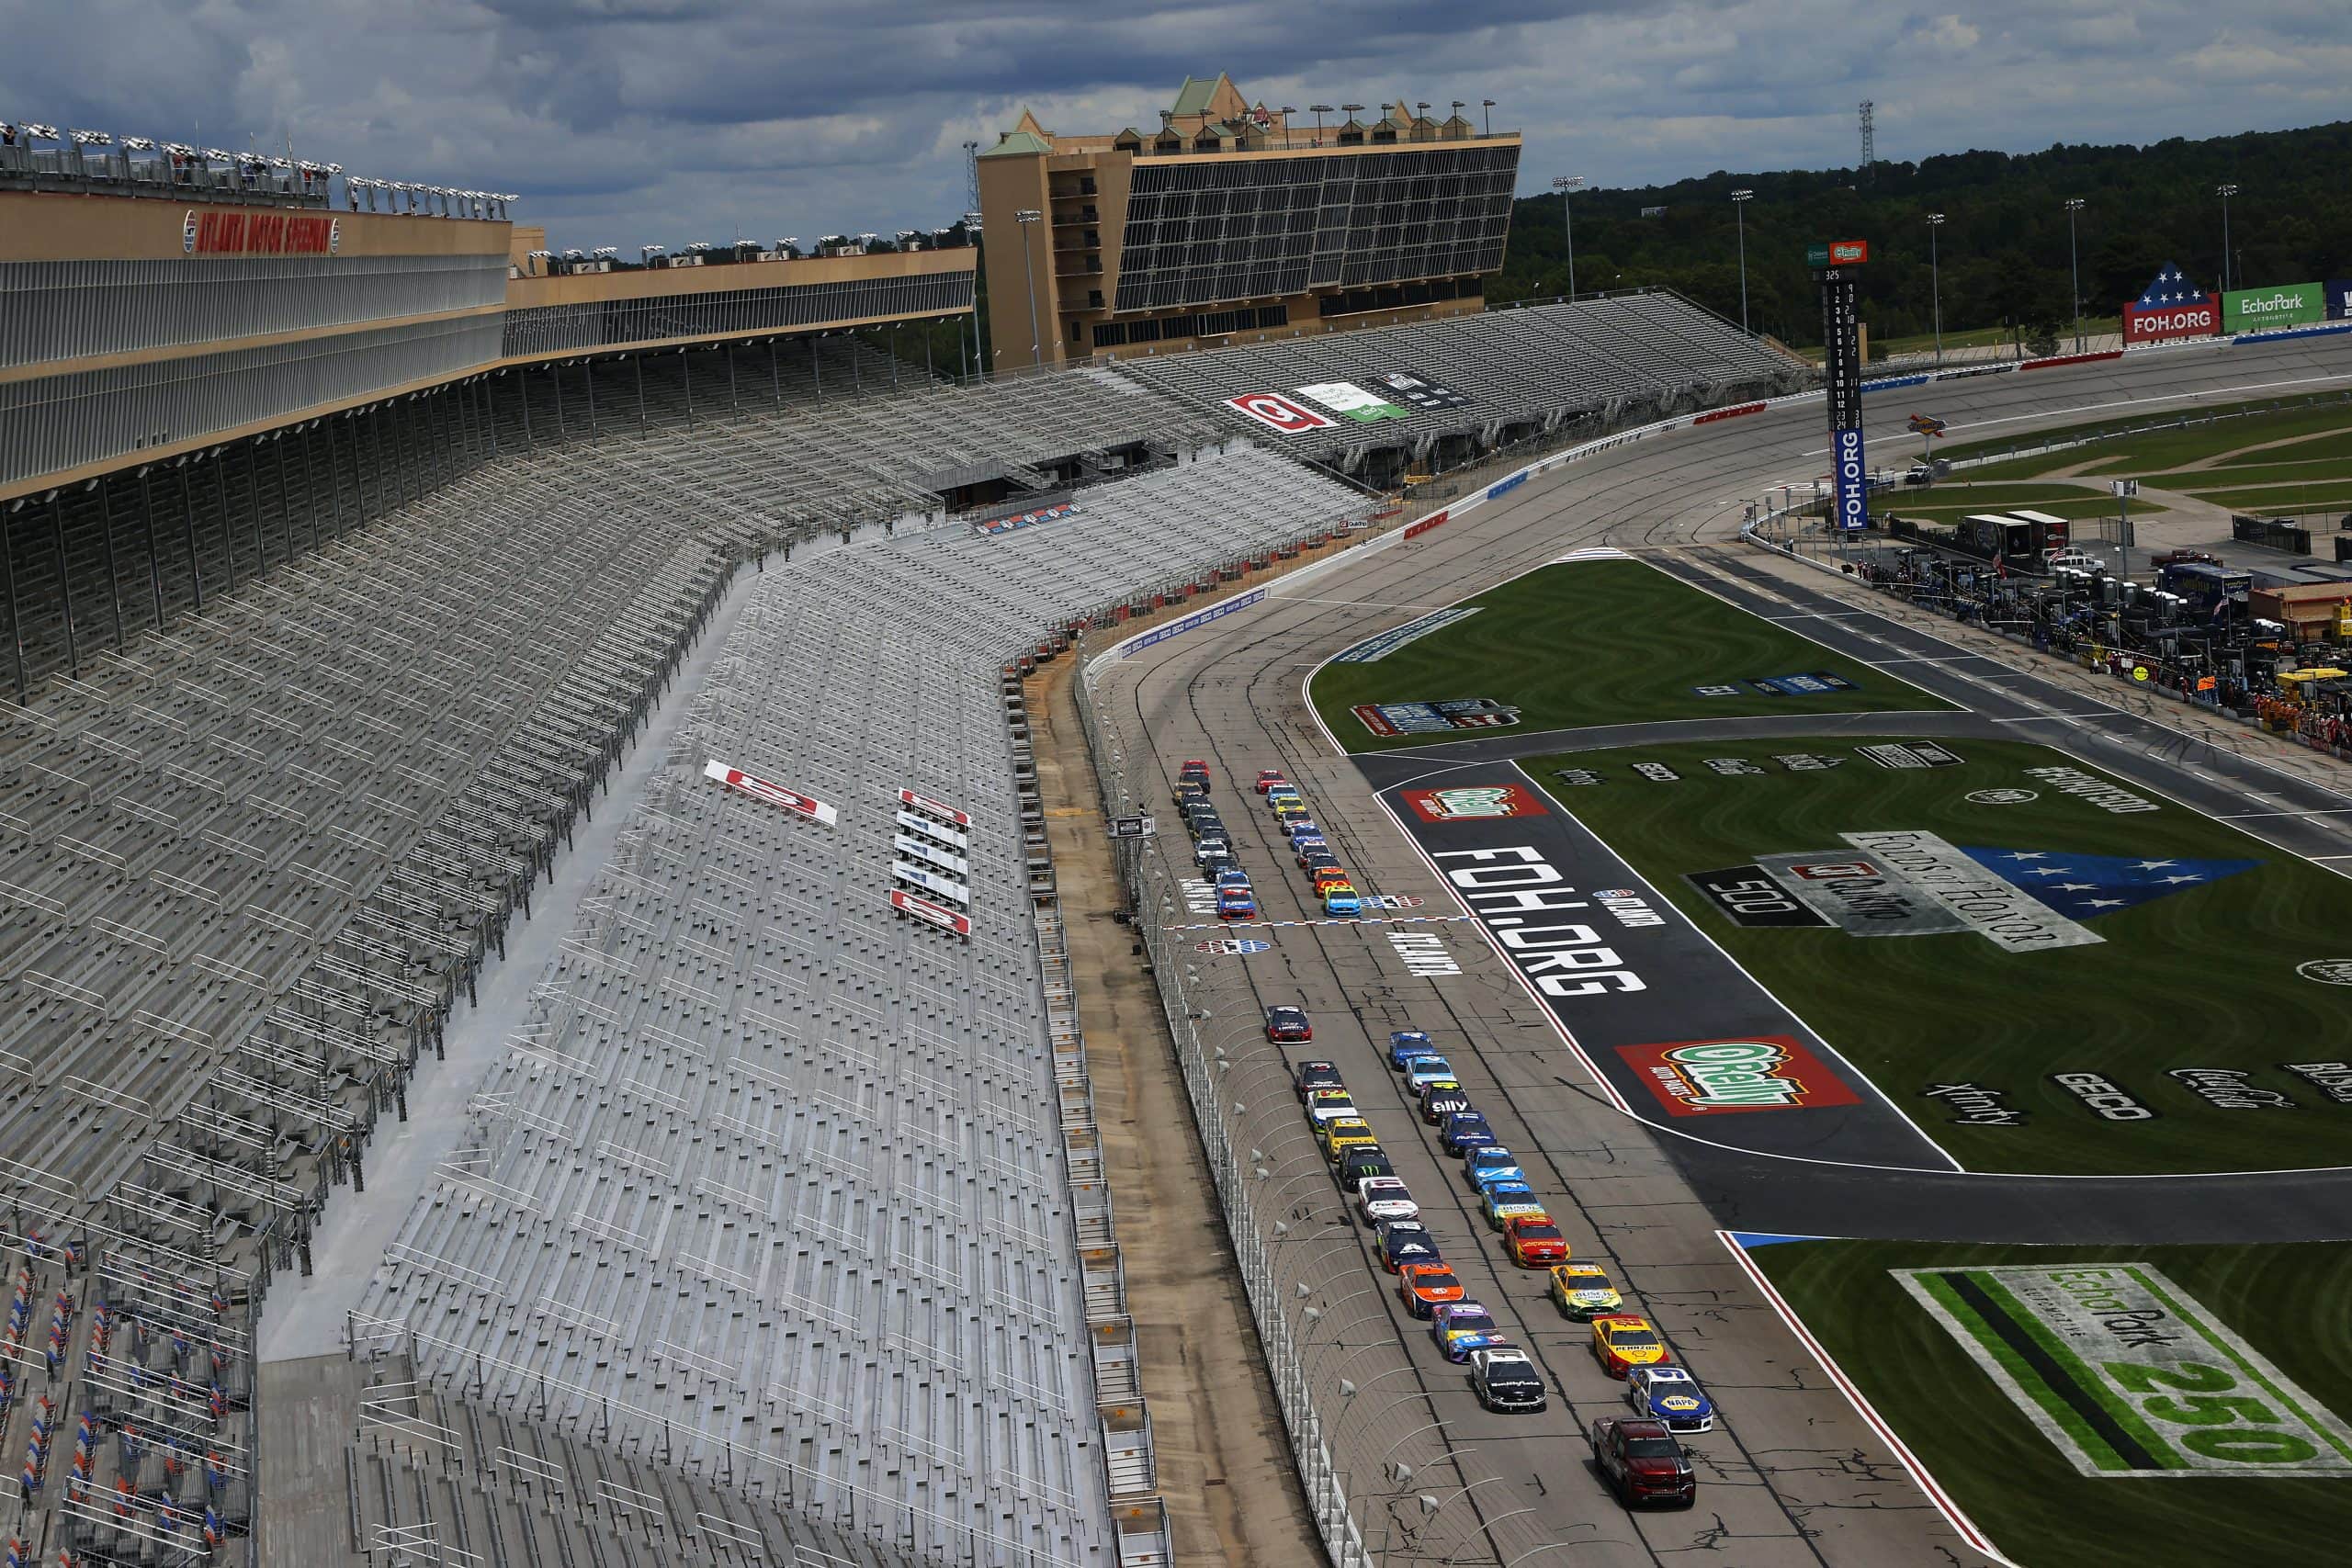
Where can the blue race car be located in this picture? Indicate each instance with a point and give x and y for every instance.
(1465, 1131)
(1495, 1161)
(1460, 1327)
(1405, 1241)
(1506, 1200)
(1672, 1395)
(1403, 1045)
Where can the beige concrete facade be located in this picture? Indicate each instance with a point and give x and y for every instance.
(1068, 261)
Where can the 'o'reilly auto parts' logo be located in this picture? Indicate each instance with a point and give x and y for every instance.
(1768, 1072)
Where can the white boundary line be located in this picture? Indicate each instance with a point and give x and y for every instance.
(1909, 1461)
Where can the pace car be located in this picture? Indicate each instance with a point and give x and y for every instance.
(1424, 1287)
(1399, 1242)
(1582, 1291)
(1672, 1395)
(1534, 1241)
(1463, 1326)
(1622, 1341)
(1403, 1045)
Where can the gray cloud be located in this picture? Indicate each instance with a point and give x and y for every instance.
(631, 121)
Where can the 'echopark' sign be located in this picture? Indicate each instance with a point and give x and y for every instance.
(772, 794)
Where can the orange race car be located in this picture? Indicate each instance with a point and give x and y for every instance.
(1424, 1286)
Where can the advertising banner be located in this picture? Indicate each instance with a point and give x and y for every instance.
(908, 844)
(1842, 366)
(1768, 1072)
(2199, 316)
(931, 882)
(772, 794)
(1421, 392)
(1852, 481)
(925, 909)
(924, 803)
(934, 830)
(2261, 310)
(1350, 401)
(2339, 299)
(1278, 413)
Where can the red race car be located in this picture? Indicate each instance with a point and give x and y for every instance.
(1534, 1242)
(1288, 1026)
(1267, 778)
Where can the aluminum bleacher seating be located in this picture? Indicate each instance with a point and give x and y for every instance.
(772, 1169)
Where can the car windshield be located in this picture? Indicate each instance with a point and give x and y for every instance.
(1651, 1448)
(1442, 1281)
(1539, 1232)
(1468, 1322)
(1633, 1340)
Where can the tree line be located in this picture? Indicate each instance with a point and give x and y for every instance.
(2002, 247)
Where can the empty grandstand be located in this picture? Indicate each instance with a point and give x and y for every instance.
(339, 587)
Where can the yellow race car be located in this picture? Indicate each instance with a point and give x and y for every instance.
(1582, 1291)
(1622, 1341)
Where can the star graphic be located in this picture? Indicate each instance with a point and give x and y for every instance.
(2053, 871)
(2153, 865)
(2103, 903)
(2028, 855)
(2076, 887)
(2173, 879)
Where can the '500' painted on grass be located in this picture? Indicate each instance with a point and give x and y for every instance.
(1510, 890)
(2128, 1375)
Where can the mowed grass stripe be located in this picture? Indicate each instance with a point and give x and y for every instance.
(2291, 1304)
(1599, 642)
(2051, 1374)
(2322, 1423)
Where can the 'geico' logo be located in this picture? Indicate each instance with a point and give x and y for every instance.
(2102, 1096)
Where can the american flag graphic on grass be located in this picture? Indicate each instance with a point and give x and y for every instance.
(2171, 287)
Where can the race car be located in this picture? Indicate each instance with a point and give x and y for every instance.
(1212, 846)
(1463, 1131)
(1280, 791)
(1506, 1202)
(1424, 1287)
(1267, 778)
(1534, 1241)
(1506, 1378)
(1382, 1198)
(1287, 806)
(1316, 1075)
(1358, 1164)
(1672, 1395)
(1423, 1071)
(1196, 770)
(1311, 848)
(1288, 1026)
(1186, 791)
(1622, 1341)
(1582, 1291)
(1641, 1462)
(1399, 1242)
(1297, 827)
(1491, 1162)
(1235, 903)
(1439, 1100)
(1463, 1326)
(1329, 1104)
(1403, 1045)
(1338, 899)
(1346, 1133)
(1322, 877)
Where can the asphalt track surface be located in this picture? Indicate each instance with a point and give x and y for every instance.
(1792, 1474)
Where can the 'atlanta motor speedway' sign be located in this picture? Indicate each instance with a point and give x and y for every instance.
(2127, 1375)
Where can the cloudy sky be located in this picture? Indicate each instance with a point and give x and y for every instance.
(623, 121)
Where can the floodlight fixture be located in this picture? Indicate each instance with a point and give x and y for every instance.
(606, 251)
(138, 143)
(91, 138)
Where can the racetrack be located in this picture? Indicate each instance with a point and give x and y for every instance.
(1794, 1475)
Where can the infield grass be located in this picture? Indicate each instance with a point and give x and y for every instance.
(1599, 642)
(2201, 978)
(2291, 1304)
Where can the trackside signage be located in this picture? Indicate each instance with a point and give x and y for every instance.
(936, 831)
(935, 914)
(2126, 1374)
(1768, 1072)
(772, 794)
(908, 844)
(1198, 618)
(914, 802)
(2263, 310)
(931, 880)
(2200, 317)
(1537, 918)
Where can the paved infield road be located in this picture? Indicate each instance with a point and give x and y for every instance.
(1794, 1475)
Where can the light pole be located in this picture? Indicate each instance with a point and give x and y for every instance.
(2225, 192)
(1286, 112)
(1564, 185)
(1027, 218)
(1739, 200)
(1936, 284)
(2074, 267)
(1487, 108)
(1319, 110)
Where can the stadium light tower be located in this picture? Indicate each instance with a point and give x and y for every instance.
(2225, 192)
(1319, 111)
(1935, 284)
(1027, 218)
(1564, 185)
(1739, 200)
(2075, 205)
(1287, 111)
(1487, 106)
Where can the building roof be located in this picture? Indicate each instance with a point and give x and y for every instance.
(1197, 93)
(1014, 143)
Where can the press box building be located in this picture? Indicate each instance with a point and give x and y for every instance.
(1232, 222)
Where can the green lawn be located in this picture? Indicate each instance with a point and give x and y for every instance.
(2160, 450)
(2201, 978)
(2328, 496)
(1952, 500)
(2292, 1304)
(1597, 642)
